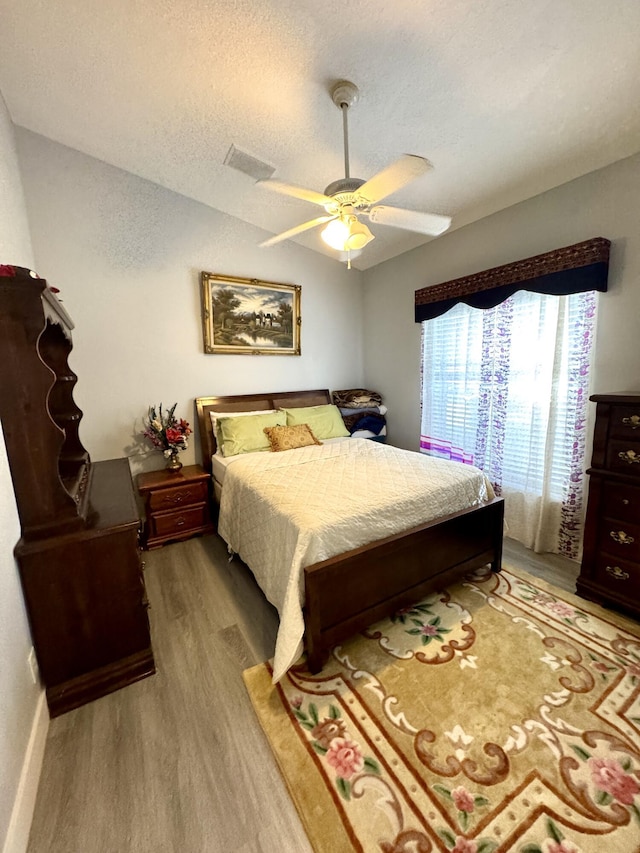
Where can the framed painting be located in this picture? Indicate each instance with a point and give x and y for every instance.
(246, 316)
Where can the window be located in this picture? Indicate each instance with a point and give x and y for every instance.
(506, 389)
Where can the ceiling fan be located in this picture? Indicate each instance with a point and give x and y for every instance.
(348, 198)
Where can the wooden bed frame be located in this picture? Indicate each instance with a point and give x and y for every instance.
(376, 579)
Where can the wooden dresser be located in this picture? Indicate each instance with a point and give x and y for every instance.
(79, 555)
(610, 571)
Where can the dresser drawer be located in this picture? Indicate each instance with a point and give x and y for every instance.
(618, 576)
(187, 495)
(624, 422)
(620, 539)
(621, 502)
(181, 521)
(623, 457)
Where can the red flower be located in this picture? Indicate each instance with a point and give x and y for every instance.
(462, 799)
(465, 845)
(609, 776)
(345, 757)
(166, 432)
(562, 609)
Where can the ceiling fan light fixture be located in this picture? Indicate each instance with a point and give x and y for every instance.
(336, 234)
(359, 236)
(346, 234)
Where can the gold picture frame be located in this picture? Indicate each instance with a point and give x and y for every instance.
(247, 316)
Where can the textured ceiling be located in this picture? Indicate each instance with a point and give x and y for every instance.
(505, 98)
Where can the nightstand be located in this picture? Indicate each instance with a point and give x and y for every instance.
(176, 504)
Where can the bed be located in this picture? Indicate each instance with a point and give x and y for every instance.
(337, 596)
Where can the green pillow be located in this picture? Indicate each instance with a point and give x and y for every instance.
(325, 421)
(246, 435)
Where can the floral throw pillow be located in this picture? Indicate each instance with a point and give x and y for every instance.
(290, 437)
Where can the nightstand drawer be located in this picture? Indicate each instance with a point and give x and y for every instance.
(622, 502)
(184, 495)
(181, 521)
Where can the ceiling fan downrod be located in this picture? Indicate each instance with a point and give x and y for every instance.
(345, 133)
(344, 95)
(350, 234)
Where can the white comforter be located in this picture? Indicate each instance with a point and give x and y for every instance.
(283, 511)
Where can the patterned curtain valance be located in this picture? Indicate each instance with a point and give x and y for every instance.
(572, 269)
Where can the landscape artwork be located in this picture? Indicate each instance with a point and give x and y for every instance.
(249, 316)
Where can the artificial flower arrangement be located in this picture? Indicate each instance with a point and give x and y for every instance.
(165, 431)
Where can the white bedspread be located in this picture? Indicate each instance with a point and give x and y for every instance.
(283, 511)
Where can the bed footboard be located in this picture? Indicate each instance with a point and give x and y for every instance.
(345, 594)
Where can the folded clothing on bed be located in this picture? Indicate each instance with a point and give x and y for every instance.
(356, 398)
(366, 419)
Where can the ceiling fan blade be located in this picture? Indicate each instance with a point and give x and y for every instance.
(296, 192)
(297, 230)
(397, 175)
(432, 224)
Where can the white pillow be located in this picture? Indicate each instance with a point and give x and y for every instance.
(214, 422)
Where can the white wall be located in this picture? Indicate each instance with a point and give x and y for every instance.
(19, 696)
(605, 203)
(126, 255)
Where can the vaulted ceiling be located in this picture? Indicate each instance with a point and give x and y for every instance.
(506, 98)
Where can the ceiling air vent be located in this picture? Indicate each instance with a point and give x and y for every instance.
(247, 164)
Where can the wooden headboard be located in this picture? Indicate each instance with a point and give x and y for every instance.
(248, 403)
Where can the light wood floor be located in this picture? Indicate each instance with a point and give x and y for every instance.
(178, 762)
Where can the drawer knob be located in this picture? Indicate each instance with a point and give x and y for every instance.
(625, 501)
(180, 522)
(621, 537)
(632, 421)
(629, 456)
(617, 573)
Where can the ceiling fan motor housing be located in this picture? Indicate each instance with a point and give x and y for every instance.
(345, 191)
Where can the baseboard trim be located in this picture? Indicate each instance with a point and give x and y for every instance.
(20, 825)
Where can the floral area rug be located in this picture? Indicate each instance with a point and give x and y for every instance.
(498, 715)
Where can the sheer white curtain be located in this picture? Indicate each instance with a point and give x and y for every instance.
(506, 389)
